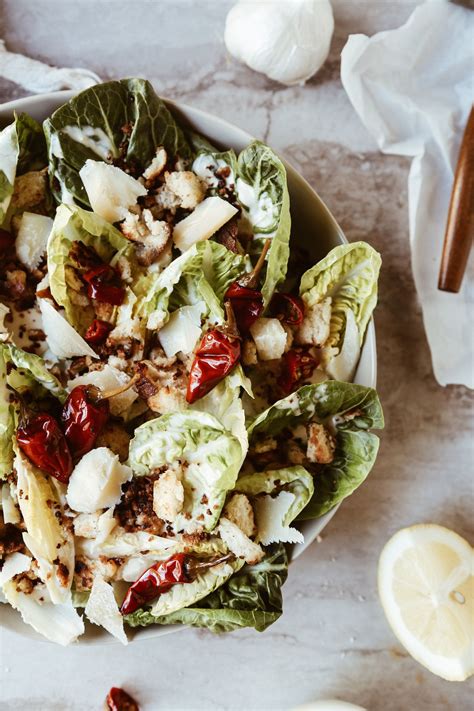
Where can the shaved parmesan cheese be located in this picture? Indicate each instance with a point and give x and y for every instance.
(14, 564)
(58, 623)
(121, 544)
(32, 237)
(182, 330)
(342, 367)
(203, 222)
(102, 609)
(107, 379)
(270, 514)
(105, 525)
(110, 190)
(10, 511)
(238, 543)
(270, 338)
(62, 339)
(96, 481)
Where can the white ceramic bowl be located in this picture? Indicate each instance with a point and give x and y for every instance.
(313, 227)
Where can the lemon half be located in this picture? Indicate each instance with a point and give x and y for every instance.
(426, 587)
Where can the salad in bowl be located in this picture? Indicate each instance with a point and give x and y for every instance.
(175, 381)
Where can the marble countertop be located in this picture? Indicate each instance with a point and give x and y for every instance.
(333, 639)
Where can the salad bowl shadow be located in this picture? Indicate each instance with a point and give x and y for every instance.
(314, 232)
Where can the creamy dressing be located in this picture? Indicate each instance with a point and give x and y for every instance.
(94, 138)
(259, 208)
(205, 167)
(67, 198)
(55, 146)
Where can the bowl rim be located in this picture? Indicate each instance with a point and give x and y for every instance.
(97, 636)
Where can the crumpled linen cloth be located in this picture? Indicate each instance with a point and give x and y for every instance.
(413, 88)
(41, 78)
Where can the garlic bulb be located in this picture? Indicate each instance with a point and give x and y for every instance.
(288, 40)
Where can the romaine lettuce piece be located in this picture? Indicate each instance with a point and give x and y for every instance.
(49, 541)
(251, 597)
(263, 194)
(208, 456)
(349, 411)
(348, 275)
(117, 122)
(221, 267)
(23, 372)
(295, 480)
(72, 224)
(22, 148)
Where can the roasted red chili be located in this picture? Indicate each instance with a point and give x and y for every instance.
(297, 365)
(119, 700)
(217, 354)
(245, 298)
(98, 332)
(287, 308)
(247, 304)
(160, 577)
(41, 439)
(103, 284)
(83, 416)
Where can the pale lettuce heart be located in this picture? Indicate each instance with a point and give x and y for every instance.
(348, 275)
(207, 455)
(50, 542)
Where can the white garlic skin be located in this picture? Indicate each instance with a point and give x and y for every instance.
(288, 40)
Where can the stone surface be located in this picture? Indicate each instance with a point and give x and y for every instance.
(333, 639)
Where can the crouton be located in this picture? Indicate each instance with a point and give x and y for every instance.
(157, 165)
(249, 352)
(270, 338)
(238, 543)
(168, 495)
(30, 190)
(187, 187)
(315, 328)
(239, 510)
(321, 444)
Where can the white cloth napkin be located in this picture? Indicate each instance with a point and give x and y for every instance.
(413, 89)
(41, 78)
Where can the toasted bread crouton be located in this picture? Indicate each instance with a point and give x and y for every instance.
(321, 444)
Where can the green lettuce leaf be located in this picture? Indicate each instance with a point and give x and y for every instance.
(263, 193)
(118, 121)
(296, 480)
(221, 266)
(348, 274)
(212, 454)
(23, 372)
(73, 224)
(356, 452)
(22, 148)
(349, 411)
(250, 598)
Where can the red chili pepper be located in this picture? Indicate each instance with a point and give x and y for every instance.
(216, 356)
(246, 299)
(7, 240)
(287, 308)
(297, 365)
(83, 417)
(41, 439)
(98, 331)
(160, 577)
(103, 284)
(119, 700)
(247, 305)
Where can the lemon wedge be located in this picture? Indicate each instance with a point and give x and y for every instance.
(426, 587)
